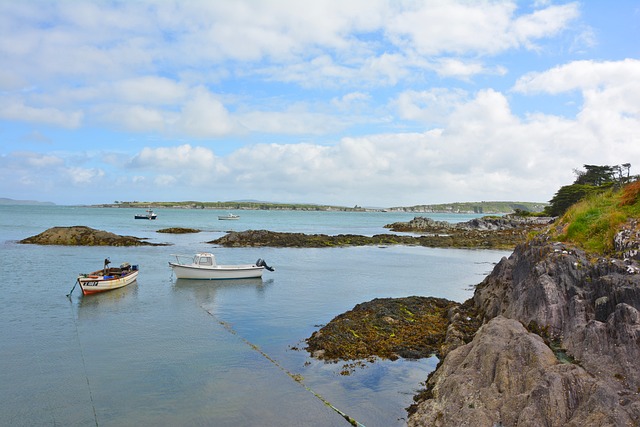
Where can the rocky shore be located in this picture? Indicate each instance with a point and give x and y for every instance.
(558, 345)
(551, 337)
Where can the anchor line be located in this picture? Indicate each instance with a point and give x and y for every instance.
(47, 398)
(84, 367)
(293, 376)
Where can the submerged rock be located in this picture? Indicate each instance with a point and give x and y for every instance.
(84, 236)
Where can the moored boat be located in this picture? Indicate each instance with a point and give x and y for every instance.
(148, 215)
(228, 216)
(204, 266)
(108, 278)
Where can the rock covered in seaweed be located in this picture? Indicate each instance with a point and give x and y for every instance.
(84, 236)
(178, 230)
(486, 239)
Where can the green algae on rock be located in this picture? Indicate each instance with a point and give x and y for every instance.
(389, 328)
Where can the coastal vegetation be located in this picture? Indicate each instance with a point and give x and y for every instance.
(593, 222)
(593, 179)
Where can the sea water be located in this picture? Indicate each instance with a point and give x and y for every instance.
(166, 352)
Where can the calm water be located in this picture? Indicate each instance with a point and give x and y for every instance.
(166, 352)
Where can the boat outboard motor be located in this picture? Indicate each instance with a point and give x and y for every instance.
(260, 263)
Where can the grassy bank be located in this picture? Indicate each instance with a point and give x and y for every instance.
(593, 222)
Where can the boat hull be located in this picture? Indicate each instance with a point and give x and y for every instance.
(216, 272)
(93, 284)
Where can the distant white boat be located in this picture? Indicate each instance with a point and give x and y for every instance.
(204, 266)
(228, 216)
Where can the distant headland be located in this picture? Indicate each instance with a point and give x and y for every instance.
(483, 207)
(6, 201)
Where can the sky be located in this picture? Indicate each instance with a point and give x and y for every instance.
(375, 103)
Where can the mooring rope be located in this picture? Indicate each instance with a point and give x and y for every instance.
(47, 398)
(84, 367)
(296, 378)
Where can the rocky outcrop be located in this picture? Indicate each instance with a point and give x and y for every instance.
(485, 239)
(411, 327)
(560, 346)
(510, 377)
(178, 230)
(493, 223)
(84, 236)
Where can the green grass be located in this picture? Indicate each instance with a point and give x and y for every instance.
(593, 222)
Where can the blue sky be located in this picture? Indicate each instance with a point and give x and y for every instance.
(363, 102)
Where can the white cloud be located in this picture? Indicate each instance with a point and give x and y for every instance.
(11, 109)
(84, 176)
(542, 23)
(376, 73)
(183, 157)
(151, 90)
(137, 118)
(432, 106)
(205, 116)
(482, 27)
(580, 75)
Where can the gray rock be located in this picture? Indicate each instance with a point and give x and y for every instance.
(510, 377)
(579, 368)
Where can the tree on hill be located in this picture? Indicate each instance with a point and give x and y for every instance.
(592, 179)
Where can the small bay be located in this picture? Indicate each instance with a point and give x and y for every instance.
(167, 352)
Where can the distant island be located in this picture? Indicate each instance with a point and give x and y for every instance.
(463, 207)
(6, 201)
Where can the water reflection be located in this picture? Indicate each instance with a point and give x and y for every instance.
(205, 290)
(109, 299)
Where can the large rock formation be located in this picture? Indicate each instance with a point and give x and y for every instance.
(560, 346)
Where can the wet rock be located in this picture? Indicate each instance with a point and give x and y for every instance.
(411, 327)
(84, 236)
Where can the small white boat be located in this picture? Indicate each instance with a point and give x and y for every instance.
(107, 278)
(204, 266)
(149, 215)
(228, 216)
